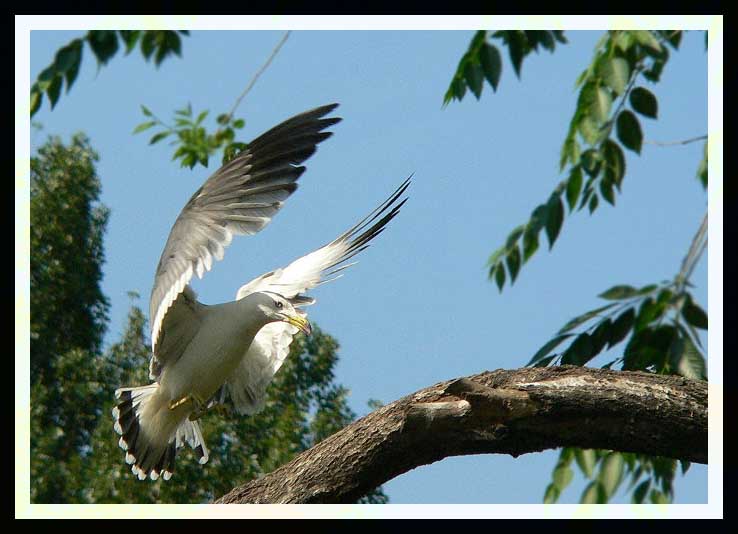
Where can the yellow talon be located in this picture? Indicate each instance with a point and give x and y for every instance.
(180, 402)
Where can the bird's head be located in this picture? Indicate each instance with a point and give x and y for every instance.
(277, 308)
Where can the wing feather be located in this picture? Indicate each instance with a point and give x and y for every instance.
(246, 387)
(239, 198)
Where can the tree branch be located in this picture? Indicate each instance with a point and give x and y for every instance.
(506, 412)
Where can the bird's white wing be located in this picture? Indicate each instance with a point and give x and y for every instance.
(247, 385)
(239, 198)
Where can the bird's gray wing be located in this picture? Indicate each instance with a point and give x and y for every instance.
(246, 387)
(179, 326)
(239, 198)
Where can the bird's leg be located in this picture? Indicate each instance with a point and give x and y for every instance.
(201, 408)
(176, 404)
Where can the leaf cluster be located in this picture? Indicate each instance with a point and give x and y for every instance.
(660, 319)
(608, 470)
(194, 143)
(608, 99)
(104, 44)
(483, 59)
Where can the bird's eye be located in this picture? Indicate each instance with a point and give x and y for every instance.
(279, 305)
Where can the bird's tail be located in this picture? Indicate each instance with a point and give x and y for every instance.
(151, 433)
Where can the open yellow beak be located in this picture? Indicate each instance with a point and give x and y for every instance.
(301, 323)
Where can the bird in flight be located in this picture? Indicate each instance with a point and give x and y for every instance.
(206, 355)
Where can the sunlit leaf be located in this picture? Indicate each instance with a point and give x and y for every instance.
(629, 131)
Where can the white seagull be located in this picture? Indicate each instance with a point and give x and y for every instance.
(204, 354)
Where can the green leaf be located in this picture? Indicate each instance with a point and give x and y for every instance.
(593, 494)
(649, 311)
(548, 347)
(147, 44)
(474, 78)
(592, 162)
(144, 126)
(649, 347)
(68, 57)
(554, 219)
(685, 466)
(586, 460)
(685, 359)
(616, 74)
(130, 38)
(158, 137)
(621, 327)
(562, 477)
(611, 473)
(658, 498)
(601, 104)
(614, 162)
(45, 78)
(694, 315)
(600, 336)
(459, 88)
(54, 89)
(593, 203)
(513, 263)
(623, 40)
(512, 239)
(573, 323)
(702, 169)
(674, 37)
(36, 99)
(607, 191)
(551, 495)
(629, 131)
(500, 276)
(239, 123)
(491, 61)
(573, 187)
(579, 352)
(104, 44)
(173, 43)
(639, 494)
(516, 48)
(543, 362)
(647, 39)
(589, 130)
(201, 116)
(644, 102)
(530, 243)
(146, 111)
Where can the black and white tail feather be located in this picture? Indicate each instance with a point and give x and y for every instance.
(144, 454)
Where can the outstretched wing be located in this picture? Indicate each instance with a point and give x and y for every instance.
(239, 198)
(247, 385)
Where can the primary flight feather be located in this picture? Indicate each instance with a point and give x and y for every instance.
(202, 354)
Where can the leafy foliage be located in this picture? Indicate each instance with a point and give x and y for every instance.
(658, 320)
(195, 144)
(595, 158)
(104, 45)
(68, 313)
(483, 60)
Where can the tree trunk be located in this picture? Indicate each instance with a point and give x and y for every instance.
(507, 412)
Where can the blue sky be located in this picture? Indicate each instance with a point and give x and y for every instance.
(418, 308)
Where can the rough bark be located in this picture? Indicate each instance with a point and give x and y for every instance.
(505, 411)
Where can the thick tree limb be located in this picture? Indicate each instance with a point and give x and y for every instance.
(507, 412)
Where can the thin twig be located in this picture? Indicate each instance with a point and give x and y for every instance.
(672, 143)
(693, 255)
(259, 72)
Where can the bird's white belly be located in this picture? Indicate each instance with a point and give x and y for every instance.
(209, 360)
